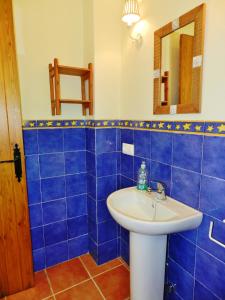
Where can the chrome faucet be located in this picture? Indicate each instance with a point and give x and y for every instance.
(160, 190)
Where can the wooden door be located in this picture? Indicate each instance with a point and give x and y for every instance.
(16, 270)
(186, 58)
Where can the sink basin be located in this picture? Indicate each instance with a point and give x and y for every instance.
(141, 212)
(149, 220)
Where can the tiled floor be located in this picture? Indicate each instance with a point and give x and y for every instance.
(80, 279)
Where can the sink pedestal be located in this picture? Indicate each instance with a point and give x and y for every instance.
(147, 266)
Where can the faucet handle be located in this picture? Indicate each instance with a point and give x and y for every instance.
(161, 187)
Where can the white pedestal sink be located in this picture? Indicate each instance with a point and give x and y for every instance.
(149, 220)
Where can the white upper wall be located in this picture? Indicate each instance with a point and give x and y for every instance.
(79, 31)
(108, 58)
(46, 29)
(137, 92)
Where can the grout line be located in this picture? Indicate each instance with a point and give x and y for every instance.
(83, 264)
(72, 286)
(50, 285)
(107, 271)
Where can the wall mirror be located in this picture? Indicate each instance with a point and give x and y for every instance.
(178, 59)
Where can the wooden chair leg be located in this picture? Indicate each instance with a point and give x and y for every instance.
(83, 93)
(91, 93)
(57, 87)
(52, 95)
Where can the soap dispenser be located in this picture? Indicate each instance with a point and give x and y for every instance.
(142, 178)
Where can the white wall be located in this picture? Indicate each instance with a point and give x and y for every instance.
(108, 58)
(137, 92)
(46, 29)
(123, 70)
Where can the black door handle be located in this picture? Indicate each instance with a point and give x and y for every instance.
(16, 161)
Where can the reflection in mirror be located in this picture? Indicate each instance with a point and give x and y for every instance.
(176, 66)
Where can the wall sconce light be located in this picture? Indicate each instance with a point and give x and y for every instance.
(131, 13)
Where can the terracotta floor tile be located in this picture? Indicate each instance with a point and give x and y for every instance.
(83, 291)
(94, 269)
(114, 284)
(40, 290)
(67, 274)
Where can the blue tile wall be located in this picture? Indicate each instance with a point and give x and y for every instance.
(71, 172)
(57, 194)
(193, 168)
(103, 165)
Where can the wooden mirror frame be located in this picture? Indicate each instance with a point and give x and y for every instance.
(197, 15)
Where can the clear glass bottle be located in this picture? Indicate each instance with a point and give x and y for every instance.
(142, 181)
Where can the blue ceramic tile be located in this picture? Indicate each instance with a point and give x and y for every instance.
(107, 164)
(54, 211)
(105, 140)
(203, 293)
(218, 233)
(91, 186)
(186, 187)
(172, 296)
(50, 140)
(32, 167)
(35, 215)
(190, 235)
(161, 147)
(125, 251)
(75, 162)
(90, 139)
(126, 182)
(34, 191)
(76, 184)
(183, 280)
(39, 259)
(182, 252)
(30, 142)
(142, 143)
(55, 233)
(93, 249)
(74, 139)
(77, 226)
(105, 186)
(127, 166)
(78, 246)
(213, 157)
(90, 161)
(107, 231)
(118, 181)
(51, 165)
(107, 251)
(92, 230)
(37, 238)
(187, 151)
(56, 254)
(53, 188)
(210, 272)
(127, 136)
(161, 172)
(212, 197)
(124, 235)
(102, 212)
(91, 203)
(118, 139)
(137, 165)
(77, 206)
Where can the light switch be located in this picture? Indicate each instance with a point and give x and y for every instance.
(197, 61)
(128, 149)
(173, 109)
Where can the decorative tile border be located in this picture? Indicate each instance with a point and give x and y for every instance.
(188, 127)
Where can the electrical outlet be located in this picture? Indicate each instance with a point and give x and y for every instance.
(128, 149)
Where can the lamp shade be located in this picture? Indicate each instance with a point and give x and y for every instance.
(131, 13)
